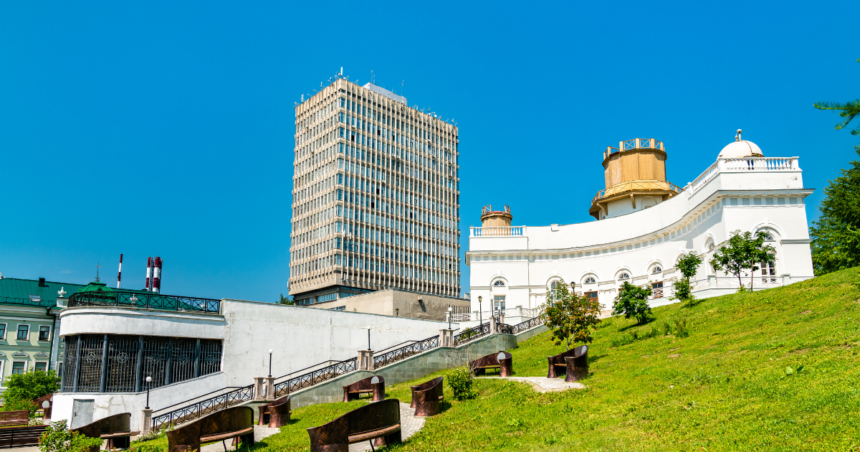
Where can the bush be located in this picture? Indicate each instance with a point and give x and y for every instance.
(22, 389)
(467, 333)
(58, 438)
(632, 302)
(460, 380)
(681, 329)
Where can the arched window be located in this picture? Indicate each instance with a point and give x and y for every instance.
(768, 235)
(656, 269)
(499, 283)
(624, 276)
(590, 280)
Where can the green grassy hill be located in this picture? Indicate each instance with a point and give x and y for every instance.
(772, 370)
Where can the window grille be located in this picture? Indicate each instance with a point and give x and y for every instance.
(210, 356)
(122, 363)
(155, 353)
(91, 363)
(182, 362)
(71, 363)
(590, 280)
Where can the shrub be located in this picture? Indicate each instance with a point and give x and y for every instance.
(632, 302)
(467, 333)
(624, 339)
(681, 329)
(22, 389)
(460, 380)
(58, 438)
(571, 317)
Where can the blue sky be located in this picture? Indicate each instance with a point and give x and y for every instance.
(166, 128)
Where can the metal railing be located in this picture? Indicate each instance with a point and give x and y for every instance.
(636, 143)
(202, 408)
(470, 334)
(517, 311)
(146, 300)
(315, 376)
(385, 358)
(527, 325)
(27, 302)
(497, 231)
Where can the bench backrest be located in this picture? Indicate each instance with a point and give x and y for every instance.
(281, 401)
(436, 382)
(489, 360)
(7, 417)
(111, 424)
(364, 384)
(373, 416)
(224, 421)
(21, 436)
(575, 352)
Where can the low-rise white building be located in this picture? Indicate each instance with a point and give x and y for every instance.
(644, 225)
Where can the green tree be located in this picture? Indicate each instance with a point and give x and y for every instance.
(847, 110)
(688, 264)
(632, 301)
(570, 317)
(286, 300)
(22, 389)
(743, 251)
(836, 233)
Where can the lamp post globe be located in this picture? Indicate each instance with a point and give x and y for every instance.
(148, 381)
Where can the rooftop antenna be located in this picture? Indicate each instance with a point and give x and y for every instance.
(372, 79)
(341, 70)
(97, 271)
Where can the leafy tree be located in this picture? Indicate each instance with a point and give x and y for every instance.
(570, 317)
(58, 438)
(688, 264)
(848, 110)
(286, 300)
(22, 389)
(632, 301)
(836, 233)
(743, 251)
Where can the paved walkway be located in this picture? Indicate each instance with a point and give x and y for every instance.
(543, 384)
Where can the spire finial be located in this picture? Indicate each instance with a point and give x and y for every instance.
(738, 136)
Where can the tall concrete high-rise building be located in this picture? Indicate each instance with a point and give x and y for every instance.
(375, 197)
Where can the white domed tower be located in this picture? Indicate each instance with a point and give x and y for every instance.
(740, 149)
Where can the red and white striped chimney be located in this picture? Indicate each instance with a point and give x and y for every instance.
(119, 275)
(156, 275)
(148, 271)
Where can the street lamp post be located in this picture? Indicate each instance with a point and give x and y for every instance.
(270, 363)
(148, 381)
(480, 316)
(368, 337)
(450, 314)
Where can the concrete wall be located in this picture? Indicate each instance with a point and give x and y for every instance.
(399, 303)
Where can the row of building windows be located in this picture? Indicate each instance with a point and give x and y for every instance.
(23, 332)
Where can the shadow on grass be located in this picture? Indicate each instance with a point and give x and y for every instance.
(637, 324)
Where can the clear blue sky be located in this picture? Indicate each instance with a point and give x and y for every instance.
(166, 128)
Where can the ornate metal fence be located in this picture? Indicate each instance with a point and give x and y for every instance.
(527, 325)
(504, 328)
(386, 358)
(147, 300)
(470, 334)
(315, 376)
(202, 408)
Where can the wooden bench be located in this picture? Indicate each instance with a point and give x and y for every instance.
(236, 422)
(276, 414)
(502, 361)
(558, 360)
(21, 436)
(378, 420)
(116, 430)
(14, 417)
(426, 397)
(371, 385)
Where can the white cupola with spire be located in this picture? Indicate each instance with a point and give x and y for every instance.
(740, 149)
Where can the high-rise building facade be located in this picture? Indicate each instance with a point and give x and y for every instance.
(375, 197)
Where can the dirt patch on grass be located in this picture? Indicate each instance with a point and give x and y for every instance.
(675, 355)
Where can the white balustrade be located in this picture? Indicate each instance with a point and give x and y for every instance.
(497, 231)
(738, 165)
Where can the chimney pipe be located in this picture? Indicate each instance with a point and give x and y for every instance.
(119, 274)
(156, 275)
(148, 271)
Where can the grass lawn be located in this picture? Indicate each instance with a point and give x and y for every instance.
(772, 370)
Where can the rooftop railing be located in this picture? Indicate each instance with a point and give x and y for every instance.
(27, 302)
(741, 165)
(145, 300)
(636, 143)
(497, 231)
